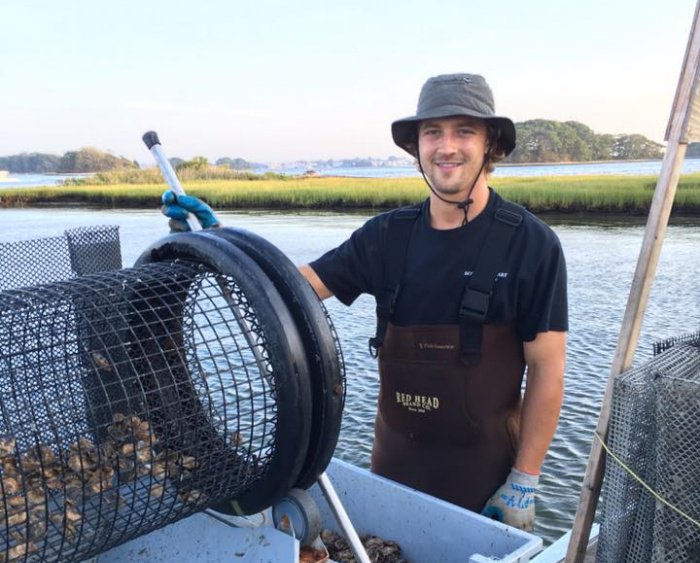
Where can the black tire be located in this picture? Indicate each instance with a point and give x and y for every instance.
(323, 355)
(284, 349)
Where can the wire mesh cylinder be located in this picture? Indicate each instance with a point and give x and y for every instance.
(79, 251)
(675, 537)
(655, 432)
(135, 397)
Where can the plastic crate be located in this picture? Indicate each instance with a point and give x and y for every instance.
(427, 529)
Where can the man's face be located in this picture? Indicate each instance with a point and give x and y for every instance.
(451, 151)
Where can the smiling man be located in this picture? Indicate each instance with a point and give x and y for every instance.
(470, 290)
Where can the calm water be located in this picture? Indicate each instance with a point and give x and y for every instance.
(34, 180)
(594, 169)
(601, 259)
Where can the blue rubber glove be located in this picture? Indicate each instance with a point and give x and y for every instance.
(514, 501)
(179, 208)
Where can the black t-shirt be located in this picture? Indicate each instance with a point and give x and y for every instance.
(530, 287)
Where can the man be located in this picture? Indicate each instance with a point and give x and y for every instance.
(470, 289)
(450, 423)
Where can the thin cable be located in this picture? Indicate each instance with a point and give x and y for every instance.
(643, 484)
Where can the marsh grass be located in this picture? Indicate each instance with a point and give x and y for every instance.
(152, 175)
(587, 194)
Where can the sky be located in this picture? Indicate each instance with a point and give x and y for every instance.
(278, 81)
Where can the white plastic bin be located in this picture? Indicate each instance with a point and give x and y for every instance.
(428, 530)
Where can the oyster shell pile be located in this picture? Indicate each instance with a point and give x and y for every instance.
(378, 550)
(43, 490)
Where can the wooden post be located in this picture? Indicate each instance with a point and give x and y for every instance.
(680, 130)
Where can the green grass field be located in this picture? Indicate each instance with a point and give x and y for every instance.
(564, 194)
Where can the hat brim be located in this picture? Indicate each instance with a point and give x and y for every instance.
(403, 130)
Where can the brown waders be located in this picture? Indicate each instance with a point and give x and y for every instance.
(443, 428)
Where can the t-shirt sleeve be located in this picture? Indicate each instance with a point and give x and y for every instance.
(543, 303)
(354, 267)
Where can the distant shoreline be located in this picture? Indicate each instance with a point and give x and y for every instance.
(573, 163)
(320, 170)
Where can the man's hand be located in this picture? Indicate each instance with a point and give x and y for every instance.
(514, 501)
(178, 209)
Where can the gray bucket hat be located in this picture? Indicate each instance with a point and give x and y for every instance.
(449, 95)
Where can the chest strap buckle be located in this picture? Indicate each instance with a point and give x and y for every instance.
(474, 305)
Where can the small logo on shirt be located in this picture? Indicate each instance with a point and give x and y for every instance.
(435, 346)
(417, 403)
(470, 273)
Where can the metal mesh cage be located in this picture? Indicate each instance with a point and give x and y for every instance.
(84, 250)
(655, 431)
(132, 398)
(663, 345)
(112, 396)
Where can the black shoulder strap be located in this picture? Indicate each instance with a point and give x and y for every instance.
(477, 294)
(398, 238)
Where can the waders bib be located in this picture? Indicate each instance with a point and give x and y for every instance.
(442, 427)
(449, 399)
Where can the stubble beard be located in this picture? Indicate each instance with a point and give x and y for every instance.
(452, 186)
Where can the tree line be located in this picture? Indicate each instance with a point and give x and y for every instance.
(542, 140)
(199, 162)
(72, 162)
(94, 160)
(539, 140)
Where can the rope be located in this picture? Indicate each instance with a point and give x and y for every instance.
(656, 495)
